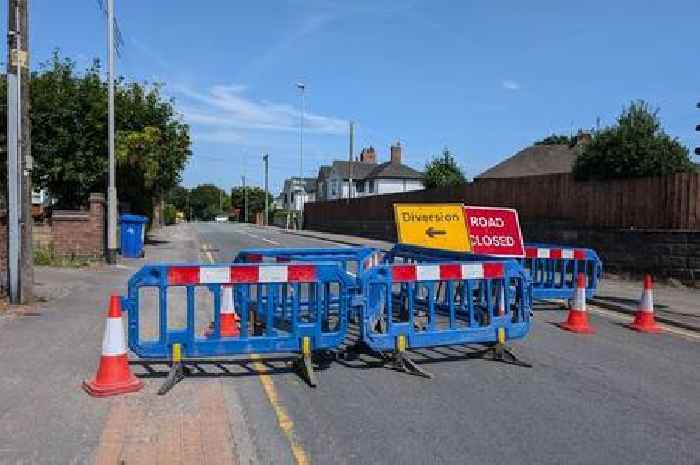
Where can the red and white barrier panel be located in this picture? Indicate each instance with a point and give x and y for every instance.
(237, 274)
(407, 273)
(260, 258)
(556, 254)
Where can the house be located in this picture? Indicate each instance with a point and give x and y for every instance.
(538, 160)
(298, 191)
(368, 176)
(278, 202)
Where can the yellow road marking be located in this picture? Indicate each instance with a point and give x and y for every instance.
(628, 318)
(283, 420)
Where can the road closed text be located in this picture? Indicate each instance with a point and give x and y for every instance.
(494, 231)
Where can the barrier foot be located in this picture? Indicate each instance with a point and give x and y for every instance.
(177, 373)
(306, 370)
(403, 363)
(502, 353)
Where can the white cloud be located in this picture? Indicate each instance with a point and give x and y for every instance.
(510, 85)
(226, 107)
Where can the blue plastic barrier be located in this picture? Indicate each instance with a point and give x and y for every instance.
(553, 269)
(289, 308)
(428, 305)
(353, 260)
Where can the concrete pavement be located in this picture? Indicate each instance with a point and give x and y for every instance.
(46, 418)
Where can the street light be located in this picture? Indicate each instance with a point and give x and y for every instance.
(266, 158)
(112, 188)
(302, 88)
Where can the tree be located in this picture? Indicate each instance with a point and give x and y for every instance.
(69, 136)
(443, 171)
(69, 131)
(256, 201)
(636, 146)
(179, 197)
(557, 139)
(206, 200)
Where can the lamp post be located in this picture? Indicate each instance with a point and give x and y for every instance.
(302, 88)
(112, 188)
(265, 159)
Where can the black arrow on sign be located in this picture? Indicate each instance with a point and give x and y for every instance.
(430, 232)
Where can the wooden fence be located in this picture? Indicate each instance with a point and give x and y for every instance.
(665, 202)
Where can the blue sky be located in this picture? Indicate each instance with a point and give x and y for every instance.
(483, 78)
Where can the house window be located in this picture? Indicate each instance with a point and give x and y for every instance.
(371, 186)
(334, 188)
(360, 186)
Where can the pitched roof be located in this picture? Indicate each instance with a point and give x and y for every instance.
(533, 161)
(310, 184)
(323, 172)
(394, 170)
(362, 170)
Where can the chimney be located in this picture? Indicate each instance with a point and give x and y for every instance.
(396, 152)
(582, 137)
(368, 155)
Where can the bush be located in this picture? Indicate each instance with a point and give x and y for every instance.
(636, 146)
(443, 171)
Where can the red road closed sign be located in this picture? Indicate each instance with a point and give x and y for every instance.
(494, 231)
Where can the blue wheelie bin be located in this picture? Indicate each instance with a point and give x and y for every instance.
(133, 232)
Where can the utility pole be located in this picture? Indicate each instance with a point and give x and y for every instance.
(697, 128)
(245, 202)
(19, 159)
(302, 89)
(265, 159)
(352, 150)
(112, 188)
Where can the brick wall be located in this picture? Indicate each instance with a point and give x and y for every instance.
(662, 252)
(80, 233)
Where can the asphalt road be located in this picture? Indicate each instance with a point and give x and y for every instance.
(617, 397)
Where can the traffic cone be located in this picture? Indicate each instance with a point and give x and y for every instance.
(644, 317)
(230, 322)
(501, 310)
(113, 374)
(577, 321)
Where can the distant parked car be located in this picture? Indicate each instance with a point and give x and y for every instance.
(221, 219)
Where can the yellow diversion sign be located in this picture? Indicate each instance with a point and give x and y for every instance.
(434, 225)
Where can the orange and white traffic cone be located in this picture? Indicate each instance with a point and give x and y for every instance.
(577, 321)
(113, 374)
(230, 322)
(501, 310)
(644, 317)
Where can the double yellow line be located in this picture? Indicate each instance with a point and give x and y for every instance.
(283, 419)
